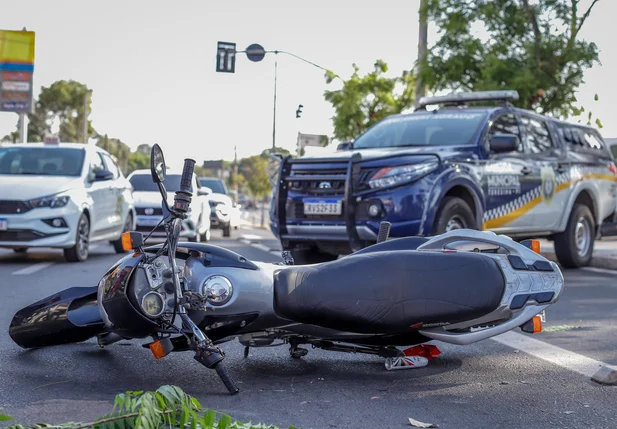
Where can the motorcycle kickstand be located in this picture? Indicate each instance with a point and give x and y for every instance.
(295, 351)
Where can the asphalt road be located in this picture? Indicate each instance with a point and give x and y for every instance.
(486, 385)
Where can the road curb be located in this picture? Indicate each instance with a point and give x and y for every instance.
(603, 262)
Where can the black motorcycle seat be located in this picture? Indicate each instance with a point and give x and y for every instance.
(389, 292)
(405, 243)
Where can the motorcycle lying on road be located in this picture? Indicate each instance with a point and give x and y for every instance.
(460, 287)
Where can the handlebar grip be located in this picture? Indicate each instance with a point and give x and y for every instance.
(229, 383)
(187, 175)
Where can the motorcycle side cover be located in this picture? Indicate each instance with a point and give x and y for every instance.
(70, 316)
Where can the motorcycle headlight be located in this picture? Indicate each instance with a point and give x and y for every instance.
(218, 289)
(392, 176)
(52, 201)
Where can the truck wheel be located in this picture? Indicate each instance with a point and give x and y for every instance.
(454, 213)
(311, 256)
(574, 246)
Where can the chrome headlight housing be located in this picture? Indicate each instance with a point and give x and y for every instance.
(392, 176)
(218, 289)
(52, 201)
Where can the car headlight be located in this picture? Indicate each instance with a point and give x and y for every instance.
(392, 176)
(52, 201)
(218, 290)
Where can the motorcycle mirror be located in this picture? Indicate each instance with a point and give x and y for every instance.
(157, 164)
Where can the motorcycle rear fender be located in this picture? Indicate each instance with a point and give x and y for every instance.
(70, 316)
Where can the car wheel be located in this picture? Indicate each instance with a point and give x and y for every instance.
(454, 213)
(128, 225)
(574, 246)
(20, 250)
(227, 230)
(79, 252)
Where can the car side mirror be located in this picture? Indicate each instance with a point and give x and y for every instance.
(102, 175)
(503, 143)
(204, 190)
(344, 146)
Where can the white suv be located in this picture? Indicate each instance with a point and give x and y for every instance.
(62, 195)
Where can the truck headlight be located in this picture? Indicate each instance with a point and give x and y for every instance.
(392, 176)
(52, 201)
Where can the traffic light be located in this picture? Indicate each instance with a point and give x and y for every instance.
(299, 111)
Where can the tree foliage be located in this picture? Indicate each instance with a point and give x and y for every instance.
(167, 407)
(255, 172)
(365, 100)
(530, 46)
(127, 161)
(63, 101)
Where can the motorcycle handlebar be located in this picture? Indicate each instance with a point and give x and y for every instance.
(187, 175)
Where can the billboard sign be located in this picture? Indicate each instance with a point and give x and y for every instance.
(16, 70)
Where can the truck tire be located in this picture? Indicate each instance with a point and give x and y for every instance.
(574, 246)
(454, 213)
(311, 256)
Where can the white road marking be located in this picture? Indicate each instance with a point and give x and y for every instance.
(261, 247)
(32, 269)
(600, 270)
(252, 237)
(243, 241)
(550, 353)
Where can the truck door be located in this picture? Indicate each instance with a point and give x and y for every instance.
(506, 180)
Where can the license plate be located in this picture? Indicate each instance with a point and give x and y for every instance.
(325, 207)
(148, 221)
(4, 224)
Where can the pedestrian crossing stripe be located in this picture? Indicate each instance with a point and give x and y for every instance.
(506, 213)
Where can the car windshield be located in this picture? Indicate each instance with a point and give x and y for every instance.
(144, 183)
(40, 161)
(422, 129)
(214, 184)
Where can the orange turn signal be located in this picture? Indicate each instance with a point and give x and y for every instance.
(157, 350)
(535, 246)
(127, 242)
(537, 324)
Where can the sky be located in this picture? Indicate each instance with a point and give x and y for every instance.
(152, 65)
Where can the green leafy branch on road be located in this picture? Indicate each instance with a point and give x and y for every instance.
(167, 407)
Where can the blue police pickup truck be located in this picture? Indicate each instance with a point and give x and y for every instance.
(463, 164)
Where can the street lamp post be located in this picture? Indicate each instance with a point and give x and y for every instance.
(226, 53)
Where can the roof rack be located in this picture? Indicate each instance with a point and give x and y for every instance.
(463, 98)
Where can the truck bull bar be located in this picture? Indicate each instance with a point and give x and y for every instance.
(351, 192)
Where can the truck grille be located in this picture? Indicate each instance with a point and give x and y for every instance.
(324, 187)
(14, 207)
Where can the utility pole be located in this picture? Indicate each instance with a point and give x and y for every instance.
(274, 114)
(236, 174)
(23, 127)
(422, 47)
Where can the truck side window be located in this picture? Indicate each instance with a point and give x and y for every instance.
(538, 137)
(506, 124)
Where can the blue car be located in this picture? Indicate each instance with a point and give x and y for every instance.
(496, 168)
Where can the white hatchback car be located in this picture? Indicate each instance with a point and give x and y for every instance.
(150, 212)
(62, 195)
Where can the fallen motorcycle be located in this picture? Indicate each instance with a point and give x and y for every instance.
(460, 287)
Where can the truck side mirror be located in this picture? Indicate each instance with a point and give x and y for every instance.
(344, 146)
(503, 143)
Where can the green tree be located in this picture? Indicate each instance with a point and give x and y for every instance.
(532, 47)
(62, 100)
(254, 169)
(365, 100)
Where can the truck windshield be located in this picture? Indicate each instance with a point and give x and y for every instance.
(423, 129)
